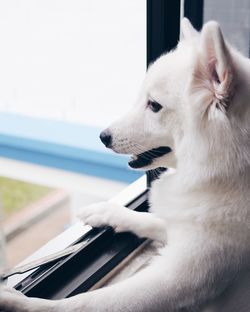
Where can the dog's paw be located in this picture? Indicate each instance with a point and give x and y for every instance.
(103, 214)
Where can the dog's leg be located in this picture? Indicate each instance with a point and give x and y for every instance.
(14, 301)
(123, 219)
(182, 278)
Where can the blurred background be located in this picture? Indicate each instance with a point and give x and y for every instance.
(67, 70)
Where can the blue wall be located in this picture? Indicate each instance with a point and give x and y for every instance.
(61, 145)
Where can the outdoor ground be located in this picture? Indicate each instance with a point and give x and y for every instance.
(15, 195)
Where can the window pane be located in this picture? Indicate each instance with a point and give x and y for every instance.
(79, 61)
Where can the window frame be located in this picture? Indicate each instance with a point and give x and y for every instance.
(105, 249)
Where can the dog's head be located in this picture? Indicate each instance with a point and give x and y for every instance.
(191, 87)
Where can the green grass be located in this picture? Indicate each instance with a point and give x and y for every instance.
(15, 195)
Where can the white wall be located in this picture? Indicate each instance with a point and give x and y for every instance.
(73, 60)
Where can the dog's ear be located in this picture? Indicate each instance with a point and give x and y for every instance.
(213, 70)
(187, 30)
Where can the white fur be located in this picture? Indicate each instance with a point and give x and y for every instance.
(201, 213)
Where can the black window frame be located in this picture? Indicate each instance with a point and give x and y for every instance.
(105, 250)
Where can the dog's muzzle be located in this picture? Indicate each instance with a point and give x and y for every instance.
(141, 160)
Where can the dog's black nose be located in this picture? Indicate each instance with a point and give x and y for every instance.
(106, 138)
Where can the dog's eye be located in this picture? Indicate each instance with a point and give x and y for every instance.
(154, 106)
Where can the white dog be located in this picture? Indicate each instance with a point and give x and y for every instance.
(194, 100)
